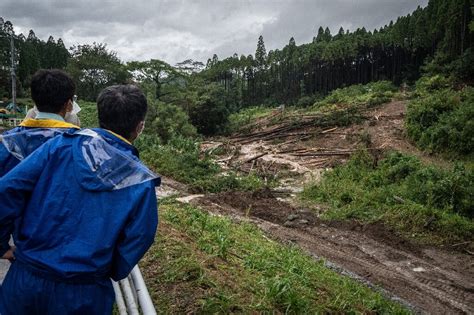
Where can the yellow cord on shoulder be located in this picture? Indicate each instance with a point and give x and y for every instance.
(46, 123)
(119, 136)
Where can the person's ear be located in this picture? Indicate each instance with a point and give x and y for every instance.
(69, 106)
(140, 127)
(138, 131)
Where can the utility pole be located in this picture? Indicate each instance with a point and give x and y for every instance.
(12, 47)
(12, 67)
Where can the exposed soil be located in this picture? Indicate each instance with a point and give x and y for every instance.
(429, 280)
(296, 154)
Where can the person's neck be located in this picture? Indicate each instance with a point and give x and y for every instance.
(47, 115)
(125, 139)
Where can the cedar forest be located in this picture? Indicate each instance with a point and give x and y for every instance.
(436, 39)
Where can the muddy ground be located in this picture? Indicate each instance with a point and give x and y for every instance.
(426, 279)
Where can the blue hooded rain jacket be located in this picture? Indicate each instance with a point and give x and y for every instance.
(86, 210)
(16, 144)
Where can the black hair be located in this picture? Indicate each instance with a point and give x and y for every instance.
(121, 108)
(51, 89)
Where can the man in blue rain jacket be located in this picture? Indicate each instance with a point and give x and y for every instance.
(53, 92)
(87, 212)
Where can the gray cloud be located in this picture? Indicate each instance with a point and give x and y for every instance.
(178, 30)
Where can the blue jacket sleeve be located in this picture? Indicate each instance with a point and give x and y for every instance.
(15, 187)
(7, 160)
(137, 236)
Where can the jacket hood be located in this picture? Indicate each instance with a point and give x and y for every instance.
(99, 165)
(23, 143)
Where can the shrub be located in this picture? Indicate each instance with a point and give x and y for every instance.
(168, 120)
(401, 192)
(441, 120)
(428, 84)
(371, 94)
(209, 114)
(306, 101)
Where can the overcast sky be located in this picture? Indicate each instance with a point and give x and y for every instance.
(177, 30)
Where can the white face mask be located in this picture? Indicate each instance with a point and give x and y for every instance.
(141, 129)
(75, 108)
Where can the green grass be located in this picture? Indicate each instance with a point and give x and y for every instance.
(422, 202)
(205, 264)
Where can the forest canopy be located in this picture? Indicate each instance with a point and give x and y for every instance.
(436, 39)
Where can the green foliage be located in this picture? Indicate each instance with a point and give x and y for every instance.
(395, 52)
(206, 251)
(341, 108)
(420, 200)
(154, 71)
(181, 159)
(93, 68)
(163, 120)
(32, 54)
(167, 120)
(261, 54)
(88, 114)
(307, 101)
(441, 119)
(371, 94)
(238, 121)
(210, 111)
(461, 67)
(428, 84)
(22, 102)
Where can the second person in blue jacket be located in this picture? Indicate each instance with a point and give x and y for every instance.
(86, 210)
(53, 92)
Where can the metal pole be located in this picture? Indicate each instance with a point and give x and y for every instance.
(119, 299)
(144, 298)
(134, 290)
(12, 46)
(132, 307)
(131, 295)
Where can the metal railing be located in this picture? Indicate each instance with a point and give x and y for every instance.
(131, 295)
